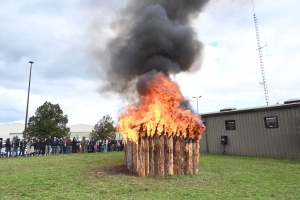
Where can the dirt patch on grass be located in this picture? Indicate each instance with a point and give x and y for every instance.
(112, 171)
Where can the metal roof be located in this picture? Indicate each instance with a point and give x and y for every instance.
(252, 109)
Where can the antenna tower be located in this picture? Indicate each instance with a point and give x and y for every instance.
(264, 83)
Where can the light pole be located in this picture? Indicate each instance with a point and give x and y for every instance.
(197, 103)
(24, 134)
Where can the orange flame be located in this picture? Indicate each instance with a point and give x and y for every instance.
(159, 111)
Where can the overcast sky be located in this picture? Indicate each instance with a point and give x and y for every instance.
(59, 35)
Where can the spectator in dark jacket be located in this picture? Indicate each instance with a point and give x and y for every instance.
(8, 147)
(0, 147)
(54, 145)
(37, 146)
(113, 144)
(42, 146)
(48, 145)
(63, 145)
(74, 145)
(16, 145)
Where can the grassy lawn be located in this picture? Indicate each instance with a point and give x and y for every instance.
(98, 176)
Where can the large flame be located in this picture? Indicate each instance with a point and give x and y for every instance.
(159, 112)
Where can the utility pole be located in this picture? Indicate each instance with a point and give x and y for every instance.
(24, 134)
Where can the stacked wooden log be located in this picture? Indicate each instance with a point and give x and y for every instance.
(162, 154)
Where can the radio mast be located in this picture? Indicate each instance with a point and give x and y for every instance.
(264, 83)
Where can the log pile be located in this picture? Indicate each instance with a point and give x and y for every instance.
(162, 154)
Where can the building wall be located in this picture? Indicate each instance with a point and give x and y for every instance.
(10, 130)
(79, 130)
(251, 138)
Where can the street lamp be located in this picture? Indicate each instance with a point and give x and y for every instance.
(24, 134)
(197, 102)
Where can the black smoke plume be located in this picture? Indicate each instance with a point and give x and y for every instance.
(152, 35)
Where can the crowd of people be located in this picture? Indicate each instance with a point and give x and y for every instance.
(50, 146)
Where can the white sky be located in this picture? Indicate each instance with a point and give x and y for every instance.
(57, 36)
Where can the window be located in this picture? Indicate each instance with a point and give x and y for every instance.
(271, 122)
(230, 125)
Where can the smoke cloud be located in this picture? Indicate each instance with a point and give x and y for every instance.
(152, 35)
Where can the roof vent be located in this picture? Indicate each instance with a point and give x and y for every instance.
(292, 101)
(227, 109)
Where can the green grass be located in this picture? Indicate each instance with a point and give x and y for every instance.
(80, 176)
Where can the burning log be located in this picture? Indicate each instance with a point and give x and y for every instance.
(160, 155)
(153, 149)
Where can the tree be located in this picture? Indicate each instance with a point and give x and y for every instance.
(48, 121)
(104, 129)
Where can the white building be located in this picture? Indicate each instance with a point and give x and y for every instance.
(11, 130)
(79, 130)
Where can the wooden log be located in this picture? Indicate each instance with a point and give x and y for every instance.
(135, 163)
(138, 157)
(146, 156)
(194, 169)
(190, 156)
(177, 156)
(161, 157)
(156, 152)
(166, 154)
(181, 156)
(141, 151)
(198, 153)
(170, 163)
(129, 154)
(186, 157)
(125, 152)
(151, 156)
(141, 157)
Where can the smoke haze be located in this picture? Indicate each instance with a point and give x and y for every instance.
(152, 35)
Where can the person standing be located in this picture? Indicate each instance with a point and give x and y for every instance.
(63, 145)
(42, 146)
(108, 145)
(54, 145)
(0, 147)
(96, 146)
(77, 145)
(48, 145)
(8, 147)
(83, 145)
(11, 154)
(113, 144)
(122, 145)
(90, 145)
(37, 146)
(74, 145)
(30, 147)
(118, 145)
(68, 145)
(22, 147)
(16, 146)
